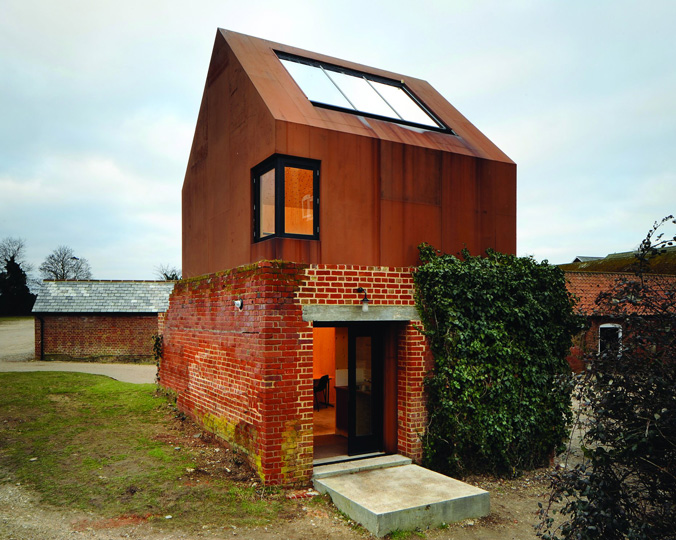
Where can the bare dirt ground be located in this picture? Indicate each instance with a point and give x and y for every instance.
(23, 517)
(514, 503)
(513, 516)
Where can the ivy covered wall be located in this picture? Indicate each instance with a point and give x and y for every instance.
(500, 329)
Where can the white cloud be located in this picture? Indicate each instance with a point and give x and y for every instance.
(99, 102)
(160, 136)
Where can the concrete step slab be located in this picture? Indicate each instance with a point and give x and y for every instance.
(403, 498)
(353, 466)
(340, 458)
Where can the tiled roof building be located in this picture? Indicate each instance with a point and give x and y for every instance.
(604, 322)
(586, 286)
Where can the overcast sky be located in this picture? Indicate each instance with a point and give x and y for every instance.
(99, 99)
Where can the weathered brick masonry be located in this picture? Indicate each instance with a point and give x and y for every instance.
(95, 336)
(246, 374)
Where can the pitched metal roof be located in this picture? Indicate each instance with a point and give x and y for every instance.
(103, 297)
(582, 258)
(285, 100)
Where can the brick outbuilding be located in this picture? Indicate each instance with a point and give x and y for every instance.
(605, 328)
(98, 320)
(310, 184)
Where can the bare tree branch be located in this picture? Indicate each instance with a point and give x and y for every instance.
(63, 264)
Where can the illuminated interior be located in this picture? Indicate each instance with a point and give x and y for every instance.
(298, 203)
(285, 198)
(330, 423)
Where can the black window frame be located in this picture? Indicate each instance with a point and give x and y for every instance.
(278, 162)
(442, 127)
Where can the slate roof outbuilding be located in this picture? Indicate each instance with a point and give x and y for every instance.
(103, 297)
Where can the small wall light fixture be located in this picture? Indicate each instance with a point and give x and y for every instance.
(239, 303)
(364, 301)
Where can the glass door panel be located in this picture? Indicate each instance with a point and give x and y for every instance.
(364, 424)
(365, 390)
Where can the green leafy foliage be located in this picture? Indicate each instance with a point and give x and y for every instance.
(158, 349)
(500, 328)
(625, 488)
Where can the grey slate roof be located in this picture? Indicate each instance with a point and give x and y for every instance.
(103, 297)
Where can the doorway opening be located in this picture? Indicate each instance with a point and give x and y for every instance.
(353, 398)
(329, 371)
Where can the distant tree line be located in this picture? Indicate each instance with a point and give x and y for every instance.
(16, 297)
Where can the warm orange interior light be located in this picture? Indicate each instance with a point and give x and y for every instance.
(267, 204)
(298, 201)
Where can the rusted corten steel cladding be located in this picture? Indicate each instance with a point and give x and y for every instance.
(384, 187)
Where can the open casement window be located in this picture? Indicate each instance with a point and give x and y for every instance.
(286, 198)
(339, 88)
(610, 339)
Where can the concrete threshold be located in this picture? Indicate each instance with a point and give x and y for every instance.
(389, 493)
(359, 465)
(342, 458)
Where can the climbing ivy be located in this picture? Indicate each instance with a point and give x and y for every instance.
(158, 349)
(499, 328)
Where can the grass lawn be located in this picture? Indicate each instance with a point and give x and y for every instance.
(118, 449)
(16, 319)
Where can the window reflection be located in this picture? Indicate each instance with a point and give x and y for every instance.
(267, 204)
(353, 91)
(285, 197)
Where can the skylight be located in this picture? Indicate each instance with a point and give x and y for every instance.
(334, 87)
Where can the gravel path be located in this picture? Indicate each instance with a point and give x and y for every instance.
(138, 374)
(17, 340)
(17, 353)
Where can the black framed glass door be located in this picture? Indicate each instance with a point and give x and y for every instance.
(365, 389)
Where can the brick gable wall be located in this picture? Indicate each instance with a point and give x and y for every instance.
(246, 375)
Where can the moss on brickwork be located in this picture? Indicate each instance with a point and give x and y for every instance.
(243, 437)
(292, 452)
(245, 271)
(239, 435)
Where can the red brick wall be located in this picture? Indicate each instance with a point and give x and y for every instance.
(337, 284)
(95, 336)
(246, 375)
(415, 361)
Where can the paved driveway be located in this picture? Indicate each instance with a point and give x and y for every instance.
(17, 339)
(17, 353)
